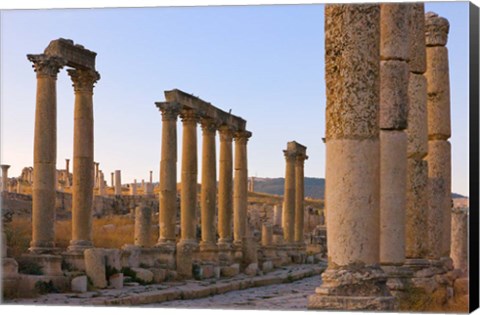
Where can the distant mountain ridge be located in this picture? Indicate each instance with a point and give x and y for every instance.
(314, 187)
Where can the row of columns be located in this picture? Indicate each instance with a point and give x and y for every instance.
(45, 149)
(188, 198)
(388, 191)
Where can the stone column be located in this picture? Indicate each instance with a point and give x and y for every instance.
(209, 185)
(394, 73)
(289, 198)
(168, 177)
(143, 225)
(4, 176)
(67, 168)
(416, 245)
(112, 179)
(133, 188)
(96, 173)
(225, 187)
(118, 183)
(188, 200)
(267, 235)
(44, 153)
(353, 279)
(459, 244)
(151, 177)
(83, 165)
(439, 150)
(277, 215)
(240, 189)
(101, 184)
(299, 198)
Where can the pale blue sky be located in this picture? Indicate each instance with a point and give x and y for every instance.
(266, 63)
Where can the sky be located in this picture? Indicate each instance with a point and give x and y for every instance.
(265, 63)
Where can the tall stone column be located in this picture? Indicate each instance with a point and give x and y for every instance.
(353, 279)
(416, 246)
(118, 183)
(168, 177)
(133, 188)
(151, 177)
(95, 180)
(44, 153)
(289, 198)
(4, 176)
(225, 183)
(112, 179)
(208, 195)
(67, 168)
(101, 184)
(143, 225)
(299, 198)
(394, 73)
(277, 215)
(439, 150)
(83, 165)
(459, 245)
(188, 198)
(240, 188)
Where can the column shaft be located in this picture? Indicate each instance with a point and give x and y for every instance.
(240, 187)
(118, 183)
(225, 183)
(299, 199)
(83, 165)
(188, 200)
(209, 184)
(168, 177)
(289, 199)
(44, 153)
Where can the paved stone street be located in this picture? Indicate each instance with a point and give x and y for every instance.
(285, 296)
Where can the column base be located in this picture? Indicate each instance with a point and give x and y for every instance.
(43, 247)
(184, 257)
(399, 278)
(353, 287)
(208, 252)
(165, 254)
(225, 255)
(79, 246)
(51, 265)
(75, 260)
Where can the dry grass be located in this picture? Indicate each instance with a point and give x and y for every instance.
(108, 232)
(416, 300)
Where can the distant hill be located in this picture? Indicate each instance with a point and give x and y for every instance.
(314, 187)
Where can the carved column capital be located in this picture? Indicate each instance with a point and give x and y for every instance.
(46, 66)
(290, 156)
(436, 29)
(226, 133)
(300, 159)
(83, 80)
(242, 136)
(189, 116)
(208, 125)
(169, 113)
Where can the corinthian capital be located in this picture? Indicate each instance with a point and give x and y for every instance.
(46, 65)
(83, 80)
(189, 116)
(242, 136)
(436, 29)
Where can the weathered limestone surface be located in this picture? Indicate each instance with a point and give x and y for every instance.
(417, 209)
(353, 279)
(83, 168)
(417, 130)
(267, 235)
(44, 152)
(289, 198)
(393, 174)
(417, 57)
(240, 188)
(394, 31)
(299, 196)
(459, 245)
(118, 183)
(95, 267)
(4, 176)
(393, 94)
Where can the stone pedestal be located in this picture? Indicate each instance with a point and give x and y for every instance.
(353, 280)
(184, 258)
(51, 264)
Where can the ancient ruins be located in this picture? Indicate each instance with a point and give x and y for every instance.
(388, 225)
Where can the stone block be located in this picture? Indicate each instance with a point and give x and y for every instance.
(230, 271)
(394, 31)
(9, 268)
(184, 259)
(95, 267)
(159, 275)
(436, 30)
(113, 259)
(417, 130)
(171, 275)
(130, 256)
(79, 284)
(416, 209)
(216, 271)
(356, 81)
(438, 91)
(417, 44)
(251, 269)
(143, 274)
(267, 266)
(51, 264)
(116, 281)
(393, 94)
